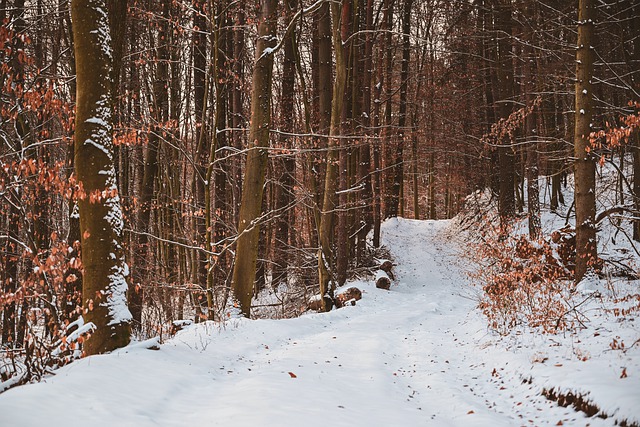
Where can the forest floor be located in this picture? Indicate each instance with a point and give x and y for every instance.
(417, 355)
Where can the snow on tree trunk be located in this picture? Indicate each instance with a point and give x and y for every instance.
(104, 268)
(584, 166)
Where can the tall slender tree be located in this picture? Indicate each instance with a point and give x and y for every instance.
(325, 253)
(585, 165)
(244, 271)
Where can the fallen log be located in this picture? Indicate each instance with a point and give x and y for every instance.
(382, 280)
(348, 297)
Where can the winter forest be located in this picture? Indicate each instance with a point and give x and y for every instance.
(310, 212)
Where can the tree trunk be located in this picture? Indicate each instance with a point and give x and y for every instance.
(105, 270)
(342, 230)
(325, 253)
(200, 94)
(237, 110)
(504, 86)
(364, 173)
(244, 271)
(533, 190)
(584, 166)
(634, 28)
(635, 147)
(284, 194)
(396, 203)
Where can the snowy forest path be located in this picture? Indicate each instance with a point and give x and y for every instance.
(411, 356)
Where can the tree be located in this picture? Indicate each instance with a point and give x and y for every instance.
(396, 199)
(533, 191)
(244, 271)
(325, 253)
(584, 166)
(101, 222)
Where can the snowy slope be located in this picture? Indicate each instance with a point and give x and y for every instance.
(418, 355)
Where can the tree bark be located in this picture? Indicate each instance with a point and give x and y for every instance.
(504, 87)
(344, 175)
(364, 173)
(285, 166)
(584, 166)
(200, 94)
(244, 271)
(325, 253)
(105, 271)
(395, 207)
(533, 190)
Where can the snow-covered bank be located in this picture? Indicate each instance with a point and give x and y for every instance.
(418, 355)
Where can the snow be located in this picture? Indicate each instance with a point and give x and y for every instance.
(417, 355)
(381, 274)
(266, 52)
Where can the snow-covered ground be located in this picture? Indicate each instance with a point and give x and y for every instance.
(417, 355)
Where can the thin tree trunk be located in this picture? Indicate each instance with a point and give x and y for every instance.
(286, 166)
(584, 166)
(396, 200)
(244, 271)
(342, 231)
(364, 173)
(504, 86)
(325, 253)
(200, 93)
(533, 190)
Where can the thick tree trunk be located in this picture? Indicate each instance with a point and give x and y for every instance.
(244, 271)
(584, 166)
(105, 270)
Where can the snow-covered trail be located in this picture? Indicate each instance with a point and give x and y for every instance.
(412, 356)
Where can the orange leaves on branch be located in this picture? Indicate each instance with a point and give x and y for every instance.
(98, 196)
(520, 279)
(615, 136)
(506, 127)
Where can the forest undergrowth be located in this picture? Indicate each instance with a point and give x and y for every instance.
(526, 290)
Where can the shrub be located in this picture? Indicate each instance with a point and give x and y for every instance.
(524, 282)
